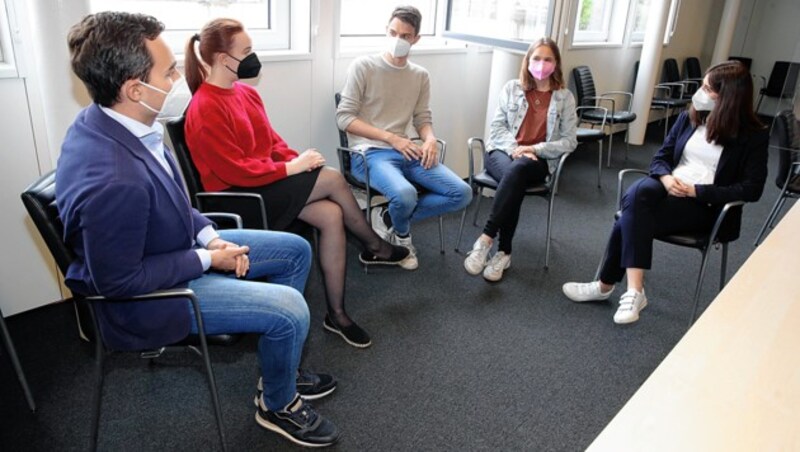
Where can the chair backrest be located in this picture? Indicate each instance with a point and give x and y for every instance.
(584, 85)
(783, 74)
(175, 129)
(343, 142)
(669, 72)
(786, 133)
(691, 68)
(40, 202)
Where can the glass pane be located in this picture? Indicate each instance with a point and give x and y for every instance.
(370, 17)
(593, 15)
(640, 15)
(191, 15)
(524, 20)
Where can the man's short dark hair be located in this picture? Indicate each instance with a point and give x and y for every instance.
(107, 49)
(409, 15)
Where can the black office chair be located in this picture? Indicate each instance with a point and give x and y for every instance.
(782, 82)
(787, 133)
(670, 74)
(483, 180)
(667, 97)
(346, 154)
(249, 206)
(587, 97)
(691, 70)
(40, 202)
(701, 240)
(12, 354)
(585, 135)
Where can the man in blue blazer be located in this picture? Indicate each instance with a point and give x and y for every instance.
(133, 231)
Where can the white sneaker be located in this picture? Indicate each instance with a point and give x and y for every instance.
(411, 262)
(378, 225)
(630, 304)
(494, 269)
(476, 259)
(580, 292)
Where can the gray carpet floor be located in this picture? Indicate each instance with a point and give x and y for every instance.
(457, 363)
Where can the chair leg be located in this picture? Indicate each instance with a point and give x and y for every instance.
(610, 144)
(599, 160)
(773, 214)
(212, 384)
(12, 353)
(477, 208)
(550, 201)
(441, 235)
(627, 137)
(723, 269)
(461, 229)
(706, 252)
(775, 217)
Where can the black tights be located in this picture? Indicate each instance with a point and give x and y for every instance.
(331, 208)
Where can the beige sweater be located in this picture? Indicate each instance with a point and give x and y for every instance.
(384, 96)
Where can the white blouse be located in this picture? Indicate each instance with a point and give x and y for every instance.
(699, 161)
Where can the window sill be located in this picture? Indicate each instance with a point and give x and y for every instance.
(594, 45)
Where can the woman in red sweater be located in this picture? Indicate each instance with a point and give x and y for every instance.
(235, 148)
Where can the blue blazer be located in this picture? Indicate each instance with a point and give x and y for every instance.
(741, 172)
(131, 228)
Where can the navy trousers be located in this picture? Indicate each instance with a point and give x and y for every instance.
(647, 212)
(514, 176)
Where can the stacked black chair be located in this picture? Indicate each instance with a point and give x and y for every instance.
(40, 202)
(12, 354)
(691, 69)
(483, 180)
(667, 97)
(786, 131)
(781, 83)
(587, 97)
(346, 154)
(670, 76)
(702, 241)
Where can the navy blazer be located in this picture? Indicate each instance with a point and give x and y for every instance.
(131, 228)
(741, 172)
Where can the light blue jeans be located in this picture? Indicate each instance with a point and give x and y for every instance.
(274, 309)
(392, 175)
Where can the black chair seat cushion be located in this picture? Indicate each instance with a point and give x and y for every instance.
(486, 181)
(619, 117)
(690, 239)
(671, 103)
(586, 135)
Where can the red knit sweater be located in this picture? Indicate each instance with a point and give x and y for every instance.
(231, 140)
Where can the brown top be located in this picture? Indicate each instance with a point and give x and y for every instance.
(534, 126)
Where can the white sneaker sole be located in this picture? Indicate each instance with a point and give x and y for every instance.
(600, 297)
(492, 278)
(270, 426)
(632, 319)
(409, 263)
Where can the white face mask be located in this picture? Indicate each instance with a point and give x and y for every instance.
(397, 47)
(701, 101)
(175, 102)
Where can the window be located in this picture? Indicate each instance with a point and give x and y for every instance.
(600, 22)
(7, 65)
(510, 24)
(640, 10)
(368, 18)
(269, 22)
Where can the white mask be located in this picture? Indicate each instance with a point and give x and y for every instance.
(175, 102)
(397, 47)
(701, 101)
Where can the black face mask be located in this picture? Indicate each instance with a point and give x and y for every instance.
(249, 66)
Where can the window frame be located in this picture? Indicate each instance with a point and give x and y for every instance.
(8, 62)
(637, 38)
(614, 34)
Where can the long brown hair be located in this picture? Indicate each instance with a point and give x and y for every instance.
(733, 112)
(525, 77)
(215, 37)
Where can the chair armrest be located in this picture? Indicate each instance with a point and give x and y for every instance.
(439, 142)
(471, 143)
(605, 113)
(236, 219)
(665, 88)
(627, 94)
(557, 175)
(600, 99)
(249, 198)
(721, 217)
(680, 86)
(621, 178)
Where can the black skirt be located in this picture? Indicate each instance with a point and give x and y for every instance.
(284, 199)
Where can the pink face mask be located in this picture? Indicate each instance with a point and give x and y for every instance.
(540, 70)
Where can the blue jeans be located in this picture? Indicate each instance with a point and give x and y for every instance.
(392, 175)
(274, 309)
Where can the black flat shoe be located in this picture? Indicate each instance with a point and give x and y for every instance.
(399, 254)
(352, 334)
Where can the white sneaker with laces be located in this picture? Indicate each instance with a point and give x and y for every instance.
(497, 264)
(630, 304)
(411, 262)
(580, 292)
(476, 259)
(378, 225)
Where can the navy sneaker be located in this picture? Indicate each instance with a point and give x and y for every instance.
(299, 423)
(310, 386)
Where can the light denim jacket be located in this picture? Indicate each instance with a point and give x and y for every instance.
(562, 122)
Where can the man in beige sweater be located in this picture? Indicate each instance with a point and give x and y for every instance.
(384, 96)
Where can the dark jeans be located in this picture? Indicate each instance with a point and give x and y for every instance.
(647, 212)
(514, 177)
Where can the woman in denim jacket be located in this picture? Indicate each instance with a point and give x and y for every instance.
(534, 125)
